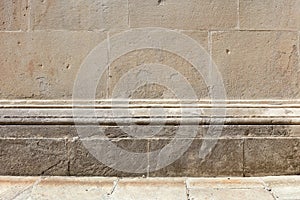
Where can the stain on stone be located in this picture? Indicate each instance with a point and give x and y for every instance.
(161, 2)
(30, 68)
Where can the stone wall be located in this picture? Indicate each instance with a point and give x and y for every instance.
(253, 43)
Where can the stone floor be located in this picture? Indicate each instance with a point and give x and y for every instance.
(260, 188)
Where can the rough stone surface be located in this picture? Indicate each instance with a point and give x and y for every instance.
(227, 188)
(43, 65)
(79, 15)
(272, 156)
(251, 63)
(16, 187)
(234, 194)
(84, 163)
(227, 183)
(191, 14)
(238, 131)
(270, 15)
(33, 157)
(228, 131)
(225, 159)
(33, 131)
(151, 189)
(254, 43)
(13, 15)
(70, 188)
(167, 132)
(122, 67)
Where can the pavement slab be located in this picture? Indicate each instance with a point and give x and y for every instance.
(284, 188)
(114, 188)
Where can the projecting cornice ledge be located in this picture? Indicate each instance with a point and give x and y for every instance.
(156, 112)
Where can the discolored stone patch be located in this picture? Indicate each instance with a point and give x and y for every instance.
(191, 14)
(14, 15)
(33, 157)
(258, 60)
(225, 159)
(270, 156)
(270, 15)
(83, 163)
(80, 15)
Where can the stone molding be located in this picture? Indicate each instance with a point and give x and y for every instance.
(159, 112)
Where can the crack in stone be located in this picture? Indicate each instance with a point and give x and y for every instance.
(67, 143)
(268, 189)
(187, 190)
(52, 166)
(244, 161)
(114, 187)
(31, 187)
(294, 50)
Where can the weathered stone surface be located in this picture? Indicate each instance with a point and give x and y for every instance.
(236, 131)
(154, 188)
(191, 14)
(255, 45)
(61, 131)
(270, 15)
(16, 187)
(70, 188)
(252, 63)
(225, 159)
(224, 183)
(44, 65)
(220, 194)
(284, 187)
(33, 157)
(227, 188)
(13, 15)
(94, 132)
(33, 131)
(79, 15)
(35, 188)
(199, 36)
(83, 163)
(295, 131)
(228, 131)
(123, 67)
(267, 156)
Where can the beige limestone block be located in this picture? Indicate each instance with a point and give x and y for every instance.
(43, 65)
(224, 183)
(284, 187)
(258, 64)
(190, 14)
(149, 189)
(13, 15)
(69, 188)
(270, 14)
(234, 194)
(125, 66)
(79, 15)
